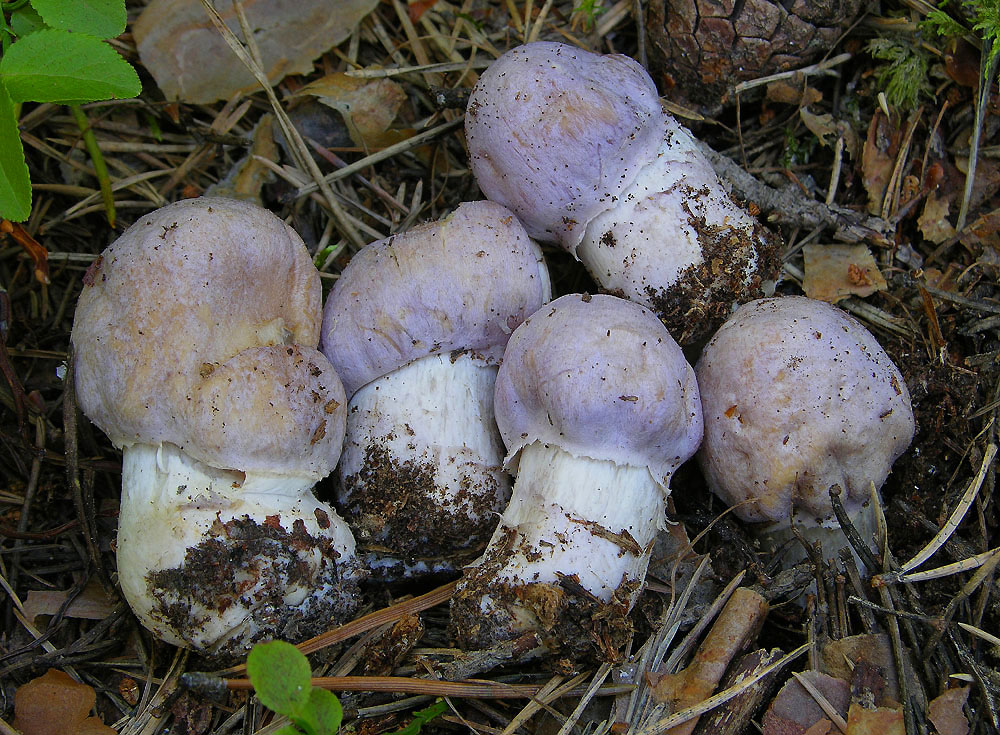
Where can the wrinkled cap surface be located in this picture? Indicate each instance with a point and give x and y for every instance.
(599, 377)
(462, 283)
(555, 133)
(798, 396)
(199, 327)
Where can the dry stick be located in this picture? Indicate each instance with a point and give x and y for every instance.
(951, 525)
(84, 501)
(367, 622)
(868, 558)
(735, 627)
(734, 718)
(824, 704)
(404, 145)
(967, 589)
(988, 70)
(475, 689)
(679, 718)
(298, 147)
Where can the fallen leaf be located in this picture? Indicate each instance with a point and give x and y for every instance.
(933, 221)
(835, 272)
(91, 604)
(191, 62)
(416, 8)
(368, 106)
(878, 157)
(57, 704)
(878, 721)
(792, 94)
(945, 712)
(823, 727)
(248, 176)
(795, 712)
(840, 658)
(39, 255)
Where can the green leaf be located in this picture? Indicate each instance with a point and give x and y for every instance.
(281, 675)
(25, 20)
(15, 186)
(57, 66)
(422, 717)
(321, 715)
(289, 730)
(100, 18)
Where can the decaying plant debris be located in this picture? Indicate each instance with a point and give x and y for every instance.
(822, 158)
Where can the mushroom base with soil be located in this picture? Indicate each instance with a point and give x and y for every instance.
(216, 559)
(568, 558)
(676, 242)
(421, 473)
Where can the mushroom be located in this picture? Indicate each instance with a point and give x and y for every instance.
(415, 326)
(799, 397)
(576, 144)
(195, 352)
(598, 408)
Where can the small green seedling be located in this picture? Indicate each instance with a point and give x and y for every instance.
(422, 717)
(281, 675)
(52, 51)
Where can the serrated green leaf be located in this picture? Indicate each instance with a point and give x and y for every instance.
(15, 186)
(25, 20)
(70, 68)
(320, 715)
(281, 675)
(100, 18)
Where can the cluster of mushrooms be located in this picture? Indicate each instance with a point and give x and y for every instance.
(439, 368)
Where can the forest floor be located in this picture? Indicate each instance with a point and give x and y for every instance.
(831, 163)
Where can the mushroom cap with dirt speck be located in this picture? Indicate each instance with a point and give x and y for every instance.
(599, 377)
(198, 327)
(463, 283)
(798, 396)
(556, 133)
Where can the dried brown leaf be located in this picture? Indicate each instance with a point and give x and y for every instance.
(835, 272)
(367, 106)
(879, 721)
(945, 712)
(795, 712)
(878, 158)
(57, 704)
(191, 62)
(91, 604)
(933, 221)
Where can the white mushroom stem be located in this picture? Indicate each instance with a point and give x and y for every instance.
(422, 446)
(177, 512)
(825, 532)
(666, 222)
(569, 517)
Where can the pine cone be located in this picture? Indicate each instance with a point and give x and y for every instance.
(702, 48)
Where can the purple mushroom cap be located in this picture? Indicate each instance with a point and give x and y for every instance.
(199, 327)
(798, 396)
(599, 377)
(556, 133)
(463, 283)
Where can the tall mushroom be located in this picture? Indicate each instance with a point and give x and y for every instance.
(597, 407)
(576, 144)
(195, 352)
(799, 397)
(415, 326)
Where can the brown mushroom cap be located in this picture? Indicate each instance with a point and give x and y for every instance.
(199, 327)
(798, 396)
